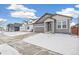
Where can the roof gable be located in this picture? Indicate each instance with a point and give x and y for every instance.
(48, 15)
(43, 18)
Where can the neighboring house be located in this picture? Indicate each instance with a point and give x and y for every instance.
(75, 29)
(2, 29)
(27, 26)
(24, 27)
(30, 27)
(14, 27)
(54, 23)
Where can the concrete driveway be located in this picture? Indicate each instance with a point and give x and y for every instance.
(14, 45)
(61, 43)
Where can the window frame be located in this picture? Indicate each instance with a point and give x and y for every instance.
(62, 24)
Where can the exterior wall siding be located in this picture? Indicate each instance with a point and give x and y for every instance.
(38, 27)
(11, 29)
(68, 24)
(62, 31)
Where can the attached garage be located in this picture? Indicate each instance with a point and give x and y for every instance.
(38, 27)
(75, 29)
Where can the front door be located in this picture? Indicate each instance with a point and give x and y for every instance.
(49, 27)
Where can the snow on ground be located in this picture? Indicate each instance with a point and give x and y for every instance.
(61, 43)
(5, 49)
(14, 33)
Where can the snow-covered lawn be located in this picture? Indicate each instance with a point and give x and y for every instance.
(14, 33)
(61, 43)
(5, 49)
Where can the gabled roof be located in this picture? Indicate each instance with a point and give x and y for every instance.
(50, 15)
(34, 21)
(44, 16)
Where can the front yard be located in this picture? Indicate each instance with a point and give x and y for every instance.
(29, 43)
(61, 43)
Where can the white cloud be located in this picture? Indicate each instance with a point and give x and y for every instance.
(77, 6)
(20, 8)
(69, 12)
(21, 14)
(72, 24)
(20, 11)
(2, 20)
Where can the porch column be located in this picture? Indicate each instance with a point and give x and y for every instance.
(53, 26)
(45, 27)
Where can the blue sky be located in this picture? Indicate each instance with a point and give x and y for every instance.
(40, 10)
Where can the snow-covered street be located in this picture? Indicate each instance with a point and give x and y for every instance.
(61, 43)
(14, 33)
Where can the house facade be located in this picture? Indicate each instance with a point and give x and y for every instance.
(13, 27)
(54, 23)
(26, 27)
(23, 27)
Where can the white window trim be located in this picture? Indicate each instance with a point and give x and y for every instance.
(62, 24)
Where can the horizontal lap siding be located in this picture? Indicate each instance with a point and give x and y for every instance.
(62, 18)
(38, 27)
(62, 30)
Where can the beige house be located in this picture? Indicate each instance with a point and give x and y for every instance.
(23, 27)
(54, 23)
(28, 27)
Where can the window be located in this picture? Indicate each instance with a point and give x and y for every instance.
(61, 24)
(28, 27)
(64, 24)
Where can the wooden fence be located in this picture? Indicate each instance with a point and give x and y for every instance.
(75, 30)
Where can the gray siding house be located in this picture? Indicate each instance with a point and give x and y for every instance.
(13, 27)
(54, 23)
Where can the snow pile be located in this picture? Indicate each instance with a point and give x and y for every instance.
(61, 43)
(5, 49)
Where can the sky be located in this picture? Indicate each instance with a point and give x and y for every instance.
(13, 13)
